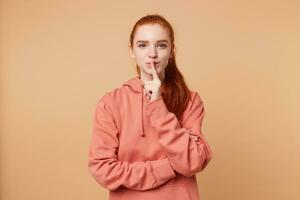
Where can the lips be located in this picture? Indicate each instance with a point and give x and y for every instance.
(154, 63)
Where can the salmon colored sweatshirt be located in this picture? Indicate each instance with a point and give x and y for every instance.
(141, 151)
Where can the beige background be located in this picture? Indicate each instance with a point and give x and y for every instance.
(59, 57)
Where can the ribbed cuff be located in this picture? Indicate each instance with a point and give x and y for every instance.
(162, 170)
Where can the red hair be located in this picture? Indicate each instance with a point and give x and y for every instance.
(176, 93)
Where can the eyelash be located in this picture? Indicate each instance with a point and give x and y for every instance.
(164, 45)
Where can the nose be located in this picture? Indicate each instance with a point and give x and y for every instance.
(152, 53)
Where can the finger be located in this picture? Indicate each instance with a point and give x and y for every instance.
(148, 87)
(148, 91)
(151, 83)
(147, 82)
(148, 95)
(153, 70)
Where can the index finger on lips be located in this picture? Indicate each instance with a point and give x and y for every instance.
(153, 70)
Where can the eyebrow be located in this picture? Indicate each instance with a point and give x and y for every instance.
(145, 41)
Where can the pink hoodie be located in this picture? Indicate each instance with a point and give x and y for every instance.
(141, 151)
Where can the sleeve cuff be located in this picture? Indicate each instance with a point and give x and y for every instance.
(162, 170)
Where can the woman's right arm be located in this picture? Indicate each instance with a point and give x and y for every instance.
(112, 173)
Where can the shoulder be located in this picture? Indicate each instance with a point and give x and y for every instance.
(108, 100)
(195, 96)
(194, 109)
(105, 98)
(195, 102)
(111, 95)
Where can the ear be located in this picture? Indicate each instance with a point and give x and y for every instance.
(131, 51)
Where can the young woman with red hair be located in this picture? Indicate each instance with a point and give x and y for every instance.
(147, 142)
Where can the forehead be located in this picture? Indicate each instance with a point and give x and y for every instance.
(151, 32)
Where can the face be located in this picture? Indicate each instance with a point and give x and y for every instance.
(151, 42)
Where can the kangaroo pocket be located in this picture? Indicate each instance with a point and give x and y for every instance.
(172, 192)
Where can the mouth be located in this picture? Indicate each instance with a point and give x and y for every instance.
(155, 63)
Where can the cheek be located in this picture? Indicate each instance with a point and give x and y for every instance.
(165, 55)
(165, 59)
(140, 57)
(140, 61)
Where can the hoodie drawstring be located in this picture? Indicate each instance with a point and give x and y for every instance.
(135, 85)
(142, 99)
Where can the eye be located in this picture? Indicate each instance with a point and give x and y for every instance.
(141, 45)
(163, 45)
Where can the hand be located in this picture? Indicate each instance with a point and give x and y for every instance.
(153, 87)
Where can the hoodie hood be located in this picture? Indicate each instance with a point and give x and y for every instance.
(136, 85)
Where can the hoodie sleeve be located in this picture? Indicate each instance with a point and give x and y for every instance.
(112, 173)
(184, 143)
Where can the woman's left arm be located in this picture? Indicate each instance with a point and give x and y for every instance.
(184, 143)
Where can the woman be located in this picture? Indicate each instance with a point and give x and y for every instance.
(147, 142)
